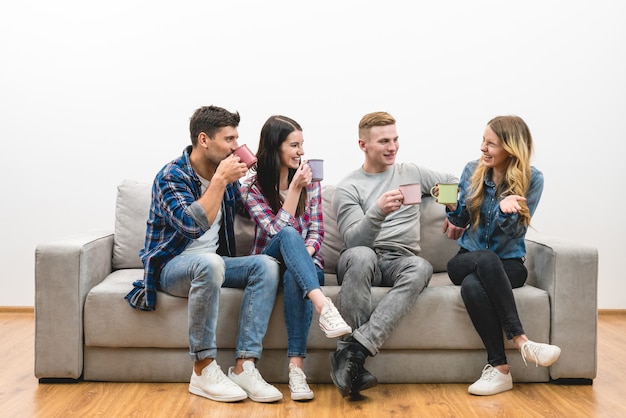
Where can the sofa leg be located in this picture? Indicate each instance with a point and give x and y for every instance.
(44, 380)
(572, 381)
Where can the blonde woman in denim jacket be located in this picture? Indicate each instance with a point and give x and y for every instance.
(498, 194)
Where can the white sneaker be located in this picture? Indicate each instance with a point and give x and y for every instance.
(214, 384)
(541, 354)
(492, 381)
(331, 321)
(300, 390)
(252, 382)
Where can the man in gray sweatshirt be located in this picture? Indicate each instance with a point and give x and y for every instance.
(381, 237)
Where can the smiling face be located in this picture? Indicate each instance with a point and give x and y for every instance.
(380, 147)
(291, 150)
(494, 154)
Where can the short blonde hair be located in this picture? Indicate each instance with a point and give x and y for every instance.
(374, 119)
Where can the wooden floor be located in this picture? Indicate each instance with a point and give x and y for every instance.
(22, 396)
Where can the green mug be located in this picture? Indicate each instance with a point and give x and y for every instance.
(448, 193)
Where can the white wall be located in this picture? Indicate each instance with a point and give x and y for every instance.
(91, 94)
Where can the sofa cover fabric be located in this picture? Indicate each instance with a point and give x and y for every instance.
(85, 329)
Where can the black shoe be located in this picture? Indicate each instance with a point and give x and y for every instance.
(345, 366)
(364, 380)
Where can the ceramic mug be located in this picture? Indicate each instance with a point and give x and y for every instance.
(245, 155)
(412, 193)
(448, 193)
(317, 169)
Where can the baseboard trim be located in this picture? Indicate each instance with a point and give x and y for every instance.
(611, 311)
(17, 309)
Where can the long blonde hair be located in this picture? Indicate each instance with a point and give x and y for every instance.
(518, 142)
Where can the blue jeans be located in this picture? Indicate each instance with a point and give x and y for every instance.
(199, 278)
(487, 284)
(360, 268)
(300, 276)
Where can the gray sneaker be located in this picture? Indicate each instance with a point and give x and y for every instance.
(252, 382)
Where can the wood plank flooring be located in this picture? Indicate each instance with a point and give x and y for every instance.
(22, 396)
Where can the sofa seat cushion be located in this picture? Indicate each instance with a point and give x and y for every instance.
(438, 314)
(111, 322)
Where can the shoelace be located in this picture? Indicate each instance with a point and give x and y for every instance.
(332, 315)
(489, 372)
(221, 378)
(297, 380)
(257, 376)
(354, 362)
(533, 349)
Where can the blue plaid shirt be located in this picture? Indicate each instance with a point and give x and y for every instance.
(175, 219)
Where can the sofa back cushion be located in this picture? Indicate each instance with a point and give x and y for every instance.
(131, 213)
(436, 247)
(133, 207)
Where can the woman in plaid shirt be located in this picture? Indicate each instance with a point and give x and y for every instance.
(287, 209)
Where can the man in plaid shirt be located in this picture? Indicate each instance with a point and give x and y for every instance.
(190, 252)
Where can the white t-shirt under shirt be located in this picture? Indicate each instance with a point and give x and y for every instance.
(209, 241)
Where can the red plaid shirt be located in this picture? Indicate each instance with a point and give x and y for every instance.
(310, 224)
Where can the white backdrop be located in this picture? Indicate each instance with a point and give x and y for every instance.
(91, 94)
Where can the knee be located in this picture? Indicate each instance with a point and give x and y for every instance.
(288, 234)
(360, 256)
(418, 272)
(486, 257)
(361, 260)
(266, 268)
(471, 288)
(209, 269)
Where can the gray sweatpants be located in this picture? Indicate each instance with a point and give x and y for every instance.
(360, 268)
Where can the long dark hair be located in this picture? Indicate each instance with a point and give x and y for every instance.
(274, 132)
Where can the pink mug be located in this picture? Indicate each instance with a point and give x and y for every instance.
(412, 193)
(245, 155)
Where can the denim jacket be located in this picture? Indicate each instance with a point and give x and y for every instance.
(499, 232)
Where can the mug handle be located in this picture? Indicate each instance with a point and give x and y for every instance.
(432, 191)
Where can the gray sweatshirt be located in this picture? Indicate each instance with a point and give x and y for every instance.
(362, 223)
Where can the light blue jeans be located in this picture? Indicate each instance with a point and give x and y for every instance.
(199, 278)
(360, 268)
(300, 276)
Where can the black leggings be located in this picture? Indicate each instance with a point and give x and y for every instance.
(487, 284)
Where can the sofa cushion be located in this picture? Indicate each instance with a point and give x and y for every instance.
(436, 247)
(131, 213)
(438, 320)
(133, 207)
(331, 246)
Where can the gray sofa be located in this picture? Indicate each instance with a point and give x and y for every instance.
(86, 330)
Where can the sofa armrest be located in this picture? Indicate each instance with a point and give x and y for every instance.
(569, 273)
(65, 271)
